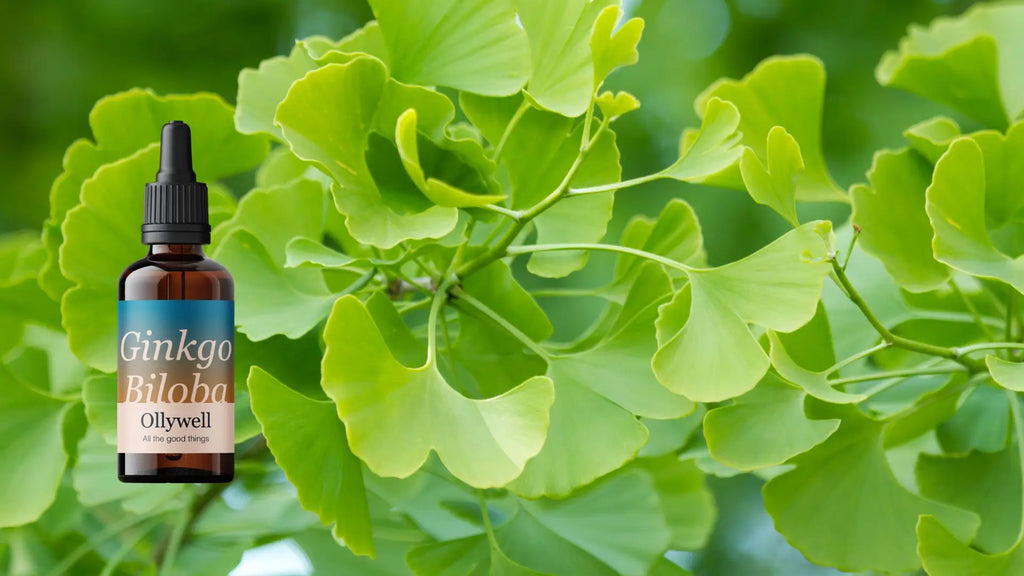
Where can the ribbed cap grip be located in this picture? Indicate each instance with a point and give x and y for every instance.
(175, 207)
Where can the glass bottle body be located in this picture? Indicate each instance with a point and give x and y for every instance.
(175, 272)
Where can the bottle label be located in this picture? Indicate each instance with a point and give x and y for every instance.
(175, 376)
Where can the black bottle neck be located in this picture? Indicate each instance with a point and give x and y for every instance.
(177, 250)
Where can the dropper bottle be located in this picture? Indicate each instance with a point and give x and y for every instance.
(175, 376)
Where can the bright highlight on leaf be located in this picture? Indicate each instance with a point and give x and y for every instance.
(396, 415)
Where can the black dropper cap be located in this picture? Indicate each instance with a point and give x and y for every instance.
(176, 206)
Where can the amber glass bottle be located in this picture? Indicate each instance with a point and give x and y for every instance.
(175, 337)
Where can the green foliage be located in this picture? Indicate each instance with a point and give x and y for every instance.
(399, 381)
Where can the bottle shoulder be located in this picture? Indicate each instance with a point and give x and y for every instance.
(158, 277)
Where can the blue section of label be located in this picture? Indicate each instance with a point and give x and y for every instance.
(204, 319)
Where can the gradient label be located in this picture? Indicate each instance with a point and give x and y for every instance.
(175, 376)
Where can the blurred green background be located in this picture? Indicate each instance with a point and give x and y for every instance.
(59, 58)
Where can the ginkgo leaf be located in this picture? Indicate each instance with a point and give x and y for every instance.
(261, 89)
(495, 358)
(614, 105)
(300, 295)
(471, 45)
(585, 533)
(945, 554)
(31, 424)
(848, 477)
(314, 454)
(562, 77)
(981, 423)
(91, 478)
(987, 484)
(714, 149)
(675, 234)
(1009, 375)
(612, 381)
(765, 427)
(786, 91)
(396, 415)
(613, 45)
(439, 192)
(963, 187)
(301, 252)
(893, 220)
(276, 215)
(706, 350)
(969, 62)
(356, 98)
(931, 137)
(774, 183)
(814, 383)
(686, 501)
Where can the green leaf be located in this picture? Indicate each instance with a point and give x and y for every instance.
(614, 105)
(99, 393)
(982, 422)
(276, 215)
(765, 427)
(688, 505)
(711, 151)
(102, 219)
(848, 480)
(774, 184)
(439, 192)
(613, 527)
(563, 76)
(396, 415)
(123, 124)
(309, 443)
(300, 296)
(931, 137)
(786, 91)
(495, 358)
(30, 424)
(471, 45)
(675, 234)
(969, 63)
(303, 252)
(582, 219)
(327, 119)
(612, 382)
(1009, 375)
(945, 554)
(613, 46)
(816, 384)
(706, 351)
(95, 481)
(987, 484)
(261, 89)
(970, 182)
(893, 221)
